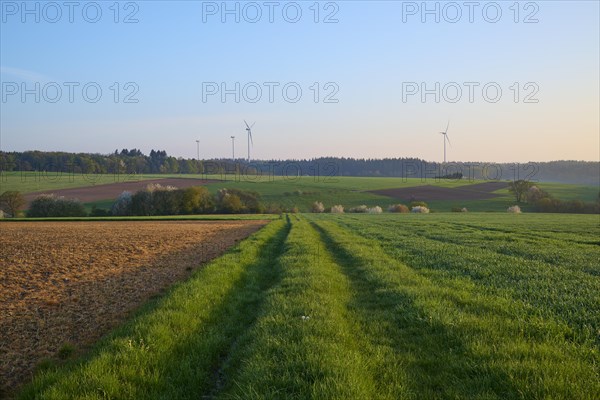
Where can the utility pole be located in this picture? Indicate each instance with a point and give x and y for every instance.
(233, 148)
(198, 154)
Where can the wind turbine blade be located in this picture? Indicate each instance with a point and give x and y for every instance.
(251, 126)
(246, 124)
(251, 140)
(446, 136)
(447, 126)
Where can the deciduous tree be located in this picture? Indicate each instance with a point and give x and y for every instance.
(519, 188)
(11, 202)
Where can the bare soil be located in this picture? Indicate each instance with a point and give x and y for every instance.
(113, 190)
(479, 191)
(71, 282)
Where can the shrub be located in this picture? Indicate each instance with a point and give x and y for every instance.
(374, 210)
(42, 206)
(230, 204)
(464, 209)
(99, 212)
(239, 201)
(414, 204)
(318, 207)
(544, 202)
(459, 209)
(359, 209)
(535, 194)
(398, 208)
(291, 210)
(197, 200)
(419, 210)
(122, 205)
(337, 209)
(550, 205)
(167, 202)
(157, 187)
(273, 208)
(514, 209)
(52, 206)
(141, 203)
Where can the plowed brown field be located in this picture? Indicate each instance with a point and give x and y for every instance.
(71, 282)
(478, 191)
(113, 190)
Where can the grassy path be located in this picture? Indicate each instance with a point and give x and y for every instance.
(304, 345)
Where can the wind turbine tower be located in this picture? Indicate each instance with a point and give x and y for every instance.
(249, 131)
(445, 134)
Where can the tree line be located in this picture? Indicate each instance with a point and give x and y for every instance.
(134, 161)
(126, 161)
(155, 200)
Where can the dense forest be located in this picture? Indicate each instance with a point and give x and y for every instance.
(133, 161)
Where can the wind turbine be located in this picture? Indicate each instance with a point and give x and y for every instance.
(249, 130)
(445, 133)
(233, 148)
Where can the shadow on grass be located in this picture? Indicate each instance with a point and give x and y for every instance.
(188, 362)
(435, 358)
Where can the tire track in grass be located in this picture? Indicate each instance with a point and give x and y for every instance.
(564, 294)
(452, 340)
(406, 343)
(267, 277)
(175, 345)
(303, 344)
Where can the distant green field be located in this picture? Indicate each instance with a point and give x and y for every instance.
(300, 191)
(572, 192)
(26, 182)
(464, 306)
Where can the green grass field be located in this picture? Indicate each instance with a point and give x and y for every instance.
(486, 306)
(26, 182)
(285, 191)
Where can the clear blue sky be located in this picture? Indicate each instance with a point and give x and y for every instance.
(371, 55)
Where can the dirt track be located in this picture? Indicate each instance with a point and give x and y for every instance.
(479, 191)
(113, 190)
(71, 282)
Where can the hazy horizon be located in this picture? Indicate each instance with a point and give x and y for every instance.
(369, 60)
(242, 159)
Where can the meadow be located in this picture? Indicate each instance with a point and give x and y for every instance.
(295, 191)
(411, 306)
